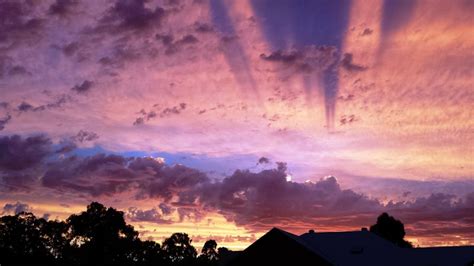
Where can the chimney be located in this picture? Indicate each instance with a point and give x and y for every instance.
(364, 229)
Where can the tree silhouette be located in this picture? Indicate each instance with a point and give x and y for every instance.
(97, 236)
(21, 239)
(209, 255)
(391, 229)
(102, 236)
(177, 250)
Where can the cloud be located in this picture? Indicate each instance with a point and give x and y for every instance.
(203, 27)
(84, 87)
(18, 153)
(19, 158)
(151, 215)
(62, 7)
(305, 60)
(15, 208)
(263, 160)
(347, 63)
(4, 121)
(70, 48)
(17, 20)
(57, 103)
(157, 111)
(8, 68)
(94, 175)
(131, 15)
(254, 200)
(172, 46)
(85, 136)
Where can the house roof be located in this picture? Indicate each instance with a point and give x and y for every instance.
(353, 248)
(363, 248)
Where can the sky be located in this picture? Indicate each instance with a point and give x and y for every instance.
(223, 119)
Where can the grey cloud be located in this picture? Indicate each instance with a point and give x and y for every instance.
(263, 160)
(57, 103)
(19, 158)
(62, 7)
(131, 15)
(158, 112)
(85, 136)
(15, 208)
(18, 153)
(255, 200)
(70, 48)
(16, 20)
(203, 28)
(84, 87)
(4, 121)
(307, 59)
(172, 46)
(151, 215)
(347, 63)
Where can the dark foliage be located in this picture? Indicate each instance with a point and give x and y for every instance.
(97, 236)
(391, 229)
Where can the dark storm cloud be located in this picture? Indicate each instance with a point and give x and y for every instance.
(62, 7)
(131, 15)
(84, 87)
(151, 215)
(15, 208)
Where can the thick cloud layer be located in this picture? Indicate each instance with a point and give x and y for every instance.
(254, 200)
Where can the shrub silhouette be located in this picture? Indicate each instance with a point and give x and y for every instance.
(391, 229)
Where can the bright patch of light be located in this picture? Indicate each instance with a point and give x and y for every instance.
(288, 178)
(160, 160)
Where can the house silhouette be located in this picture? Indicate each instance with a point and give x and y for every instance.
(355, 248)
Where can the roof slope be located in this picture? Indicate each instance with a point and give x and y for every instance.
(354, 248)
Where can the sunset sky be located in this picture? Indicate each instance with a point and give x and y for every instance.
(223, 119)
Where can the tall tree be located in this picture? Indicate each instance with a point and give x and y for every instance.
(391, 229)
(102, 236)
(177, 250)
(209, 255)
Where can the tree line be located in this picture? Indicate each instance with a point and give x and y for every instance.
(100, 236)
(97, 236)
